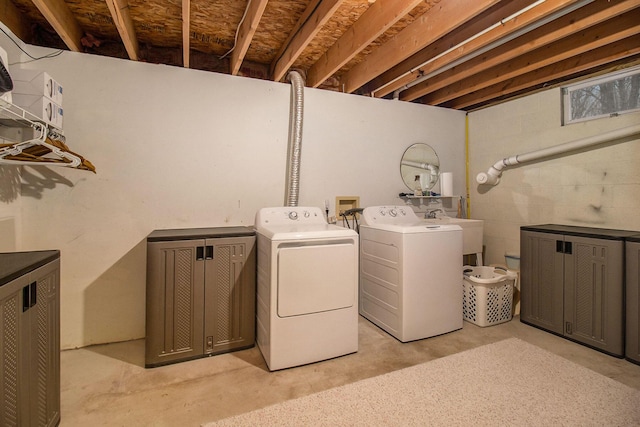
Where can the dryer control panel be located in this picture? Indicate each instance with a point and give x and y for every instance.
(286, 215)
(389, 215)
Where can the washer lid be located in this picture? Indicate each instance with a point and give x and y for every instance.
(304, 231)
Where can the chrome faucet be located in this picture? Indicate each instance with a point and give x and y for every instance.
(432, 213)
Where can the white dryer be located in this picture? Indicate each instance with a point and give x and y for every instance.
(307, 308)
(411, 280)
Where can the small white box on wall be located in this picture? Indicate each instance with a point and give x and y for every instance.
(42, 107)
(35, 82)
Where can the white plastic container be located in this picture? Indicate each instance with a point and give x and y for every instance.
(488, 295)
(42, 107)
(36, 82)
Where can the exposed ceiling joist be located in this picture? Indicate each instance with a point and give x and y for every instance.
(627, 48)
(247, 29)
(462, 54)
(57, 13)
(186, 32)
(561, 28)
(575, 45)
(373, 23)
(12, 18)
(309, 28)
(120, 13)
(438, 57)
(441, 19)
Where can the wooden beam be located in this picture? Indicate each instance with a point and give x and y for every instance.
(14, 20)
(441, 19)
(186, 32)
(246, 32)
(308, 29)
(469, 29)
(609, 32)
(377, 19)
(120, 13)
(431, 62)
(611, 54)
(57, 13)
(583, 18)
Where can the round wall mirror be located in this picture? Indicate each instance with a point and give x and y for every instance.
(420, 160)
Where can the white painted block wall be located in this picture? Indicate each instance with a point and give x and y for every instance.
(599, 187)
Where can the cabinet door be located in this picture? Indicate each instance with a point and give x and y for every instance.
(230, 294)
(632, 343)
(175, 301)
(44, 336)
(30, 347)
(12, 354)
(594, 283)
(542, 276)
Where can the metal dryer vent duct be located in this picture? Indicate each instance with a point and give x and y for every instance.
(292, 188)
(492, 176)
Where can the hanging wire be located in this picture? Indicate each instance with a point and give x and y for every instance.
(33, 58)
(235, 41)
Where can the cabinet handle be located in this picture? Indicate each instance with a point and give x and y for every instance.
(563, 247)
(199, 253)
(568, 248)
(26, 298)
(29, 296)
(33, 290)
(209, 252)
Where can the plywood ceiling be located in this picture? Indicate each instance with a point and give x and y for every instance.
(462, 54)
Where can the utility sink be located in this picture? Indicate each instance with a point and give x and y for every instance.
(471, 232)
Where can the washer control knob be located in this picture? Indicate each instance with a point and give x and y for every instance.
(306, 214)
(293, 215)
(393, 212)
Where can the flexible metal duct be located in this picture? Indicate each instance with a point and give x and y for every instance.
(292, 188)
(492, 176)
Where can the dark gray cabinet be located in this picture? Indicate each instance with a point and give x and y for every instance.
(632, 347)
(30, 338)
(572, 283)
(200, 297)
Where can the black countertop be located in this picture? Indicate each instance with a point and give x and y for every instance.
(16, 264)
(634, 238)
(592, 232)
(199, 233)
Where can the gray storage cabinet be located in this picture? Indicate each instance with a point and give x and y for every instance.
(30, 338)
(632, 347)
(201, 293)
(572, 283)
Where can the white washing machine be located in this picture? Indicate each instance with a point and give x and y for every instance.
(307, 308)
(411, 281)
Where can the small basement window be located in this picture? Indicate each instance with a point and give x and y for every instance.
(604, 96)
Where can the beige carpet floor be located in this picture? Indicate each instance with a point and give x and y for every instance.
(508, 383)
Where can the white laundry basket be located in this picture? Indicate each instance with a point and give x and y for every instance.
(488, 295)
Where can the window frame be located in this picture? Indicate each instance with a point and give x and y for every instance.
(568, 89)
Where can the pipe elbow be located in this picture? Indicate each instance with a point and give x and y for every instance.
(491, 177)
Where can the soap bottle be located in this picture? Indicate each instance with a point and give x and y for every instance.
(417, 189)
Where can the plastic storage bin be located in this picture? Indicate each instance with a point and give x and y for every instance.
(488, 295)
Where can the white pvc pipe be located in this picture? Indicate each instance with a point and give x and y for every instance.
(426, 166)
(492, 176)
